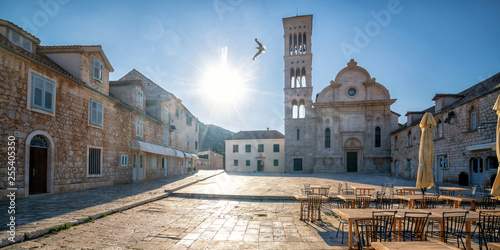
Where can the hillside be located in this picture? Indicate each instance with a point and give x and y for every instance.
(212, 138)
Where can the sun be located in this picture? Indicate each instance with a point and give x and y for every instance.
(223, 84)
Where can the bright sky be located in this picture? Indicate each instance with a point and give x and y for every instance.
(423, 48)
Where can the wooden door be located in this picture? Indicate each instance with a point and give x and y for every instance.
(260, 166)
(38, 170)
(297, 164)
(476, 165)
(352, 161)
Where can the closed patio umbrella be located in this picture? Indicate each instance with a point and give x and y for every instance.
(425, 179)
(495, 189)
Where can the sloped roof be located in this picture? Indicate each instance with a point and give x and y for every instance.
(36, 57)
(257, 135)
(469, 94)
(19, 30)
(76, 49)
(152, 89)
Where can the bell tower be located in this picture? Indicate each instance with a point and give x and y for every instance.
(300, 119)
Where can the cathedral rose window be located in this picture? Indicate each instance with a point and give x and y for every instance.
(351, 92)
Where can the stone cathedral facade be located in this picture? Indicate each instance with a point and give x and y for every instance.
(347, 127)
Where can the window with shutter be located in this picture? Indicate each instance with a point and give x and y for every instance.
(165, 137)
(42, 93)
(139, 98)
(97, 69)
(95, 112)
(138, 127)
(20, 40)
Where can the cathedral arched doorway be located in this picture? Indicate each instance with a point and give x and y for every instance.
(353, 150)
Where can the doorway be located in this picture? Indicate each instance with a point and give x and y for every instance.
(260, 166)
(141, 167)
(297, 164)
(134, 168)
(38, 165)
(352, 161)
(476, 168)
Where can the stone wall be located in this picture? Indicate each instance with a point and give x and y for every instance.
(70, 133)
(459, 143)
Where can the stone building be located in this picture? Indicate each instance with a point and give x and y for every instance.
(210, 160)
(74, 129)
(464, 139)
(347, 128)
(255, 151)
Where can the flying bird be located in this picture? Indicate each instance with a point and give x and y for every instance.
(261, 48)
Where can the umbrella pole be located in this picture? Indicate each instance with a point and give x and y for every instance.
(423, 196)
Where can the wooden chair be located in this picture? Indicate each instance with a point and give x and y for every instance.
(489, 228)
(313, 206)
(413, 226)
(362, 201)
(348, 191)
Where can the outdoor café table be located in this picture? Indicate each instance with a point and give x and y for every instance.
(303, 198)
(494, 245)
(316, 187)
(409, 190)
(457, 200)
(351, 199)
(362, 190)
(411, 198)
(459, 189)
(413, 245)
(436, 214)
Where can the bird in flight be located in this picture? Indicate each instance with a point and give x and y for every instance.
(261, 48)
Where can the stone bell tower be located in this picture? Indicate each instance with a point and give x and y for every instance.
(300, 119)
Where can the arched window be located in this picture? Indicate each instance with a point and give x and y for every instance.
(302, 109)
(298, 78)
(300, 43)
(473, 118)
(327, 138)
(295, 110)
(290, 44)
(292, 78)
(303, 77)
(439, 132)
(295, 44)
(378, 137)
(409, 138)
(305, 44)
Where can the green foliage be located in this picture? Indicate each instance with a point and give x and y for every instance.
(55, 230)
(213, 138)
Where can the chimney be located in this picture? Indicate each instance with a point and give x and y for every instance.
(267, 129)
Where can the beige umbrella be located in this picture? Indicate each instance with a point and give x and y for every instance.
(425, 179)
(495, 189)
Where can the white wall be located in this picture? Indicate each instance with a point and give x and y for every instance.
(268, 156)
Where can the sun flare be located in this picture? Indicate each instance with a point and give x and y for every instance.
(223, 84)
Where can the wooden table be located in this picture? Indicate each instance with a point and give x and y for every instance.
(316, 187)
(436, 214)
(409, 190)
(494, 245)
(303, 198)
(457, 200)
(459, 189)
(363, 190)
(351, 199)
(411, 198)
(413, 245)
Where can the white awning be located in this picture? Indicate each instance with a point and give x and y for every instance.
(486, 146)
(152, 148)
(190, 156)
(179, 154)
